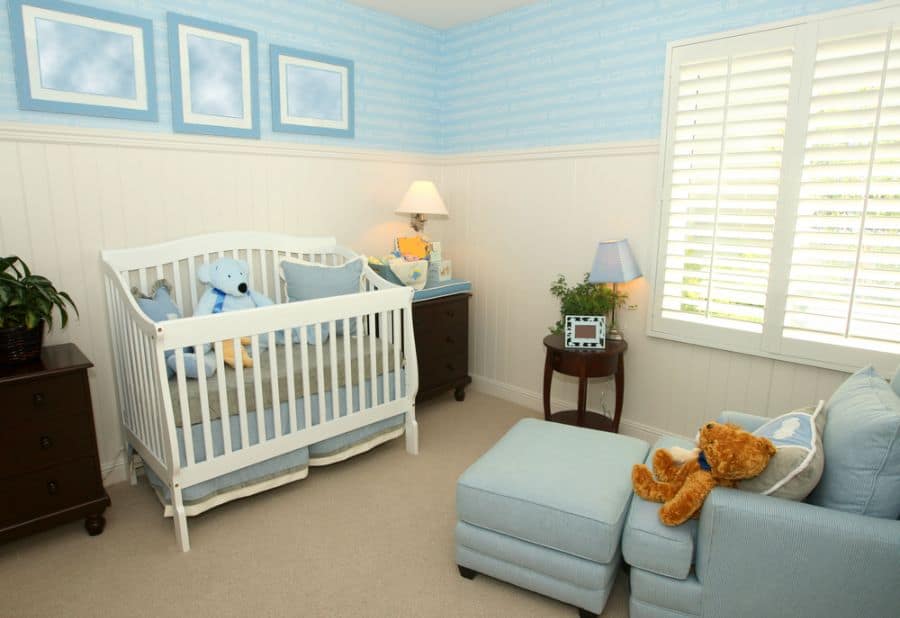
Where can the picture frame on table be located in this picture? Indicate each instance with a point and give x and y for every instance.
(585, 331)
(75, 59)
(215, 73)
(311, 93)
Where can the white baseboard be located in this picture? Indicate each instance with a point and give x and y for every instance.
(535, 401)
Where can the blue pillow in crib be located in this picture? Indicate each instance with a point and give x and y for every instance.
(159, 307)
(308, 281)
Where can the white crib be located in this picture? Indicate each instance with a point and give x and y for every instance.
(378, 381)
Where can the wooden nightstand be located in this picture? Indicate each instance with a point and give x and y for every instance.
(441, 326)
(49, 469)
(585, 363)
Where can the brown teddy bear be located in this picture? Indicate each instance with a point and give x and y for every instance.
(726, 454)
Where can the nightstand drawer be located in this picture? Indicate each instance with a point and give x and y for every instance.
(35, 400)
(38, 445)
(441, 316)
(53, 489)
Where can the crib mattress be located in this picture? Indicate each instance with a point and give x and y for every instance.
(263, 362)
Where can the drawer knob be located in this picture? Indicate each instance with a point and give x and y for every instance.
(450, 367)
(52, 488)
(46, 442)
(450, 314)
(38, 399)
(450, 339)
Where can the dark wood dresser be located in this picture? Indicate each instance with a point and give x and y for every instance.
(49, 468)
(441, 327)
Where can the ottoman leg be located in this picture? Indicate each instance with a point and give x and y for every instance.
(467, 572)
(583, 613)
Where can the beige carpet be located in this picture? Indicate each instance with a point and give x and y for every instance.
(372, 536)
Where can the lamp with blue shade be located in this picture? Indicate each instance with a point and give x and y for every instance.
(614, 263)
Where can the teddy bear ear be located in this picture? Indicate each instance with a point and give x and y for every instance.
(203, 273)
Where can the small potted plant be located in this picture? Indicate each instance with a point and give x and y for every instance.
(584, 298)
(26, 303)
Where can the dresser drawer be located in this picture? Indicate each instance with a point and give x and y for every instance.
(46, 491)
(441, 318)
(34, 446)
(437, 371)
(36, 400)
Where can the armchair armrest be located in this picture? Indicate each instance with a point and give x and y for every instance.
(750, 422)
(764, 556)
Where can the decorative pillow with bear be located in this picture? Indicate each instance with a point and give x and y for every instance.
(799, 458)
(159, 307)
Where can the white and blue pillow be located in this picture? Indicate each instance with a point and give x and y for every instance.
(799, 458)
(309, 280)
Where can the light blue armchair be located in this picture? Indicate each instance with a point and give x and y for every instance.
(753, 555)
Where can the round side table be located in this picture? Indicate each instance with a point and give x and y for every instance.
(583, 364)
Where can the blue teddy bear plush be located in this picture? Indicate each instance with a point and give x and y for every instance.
(229, 290)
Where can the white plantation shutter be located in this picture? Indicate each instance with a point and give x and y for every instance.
(780, 202)
(727, 127)
(844, 283)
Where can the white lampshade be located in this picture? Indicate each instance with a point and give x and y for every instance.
(422, 198)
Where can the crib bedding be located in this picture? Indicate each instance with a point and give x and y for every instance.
(263, 362)
(290, 466)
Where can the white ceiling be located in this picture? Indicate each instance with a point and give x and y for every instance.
(443, 14)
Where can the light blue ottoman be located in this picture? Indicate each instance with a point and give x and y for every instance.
(544, 509)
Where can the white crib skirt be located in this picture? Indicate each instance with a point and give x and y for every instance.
(285, 468)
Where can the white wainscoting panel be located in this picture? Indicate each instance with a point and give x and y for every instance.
(65, 194)
(518, 219)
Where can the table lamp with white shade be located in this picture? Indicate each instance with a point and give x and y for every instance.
(421, 199)
(614, 263)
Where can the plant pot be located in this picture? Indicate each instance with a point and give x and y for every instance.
(20, 345)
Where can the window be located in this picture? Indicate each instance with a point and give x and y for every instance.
(780, 221)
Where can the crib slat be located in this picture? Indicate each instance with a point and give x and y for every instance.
(273, 380)
(289, 371)
(395, 339)
(186, 429)
(257, 389)
(241, 394)
(373, 363)
(142, 277)
(192, 284)
(276, 277)
(177, 296)
(304, 360)
(348, 371)
(149, 381)
(224, 414)
(137, 401)
(320, 371)
(204, 402)
(263, 275)
(248, 257)
(335, 400)
(361, 362)
(385, 374)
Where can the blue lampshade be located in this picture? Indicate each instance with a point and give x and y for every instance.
(614, 263)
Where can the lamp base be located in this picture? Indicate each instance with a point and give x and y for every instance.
(417, 222)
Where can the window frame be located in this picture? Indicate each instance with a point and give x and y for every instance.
(769, 343)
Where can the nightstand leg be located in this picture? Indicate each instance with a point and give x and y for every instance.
(620, 392)
(548, 381)
(582, 399)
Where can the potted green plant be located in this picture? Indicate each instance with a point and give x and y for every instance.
(27, 302)
(584, 298)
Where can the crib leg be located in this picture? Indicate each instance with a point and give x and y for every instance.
(130, 472)
(412, 433)
(180, 519)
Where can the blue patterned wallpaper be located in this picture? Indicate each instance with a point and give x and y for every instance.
(552, 73)
(578, 71)
(397, 64)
